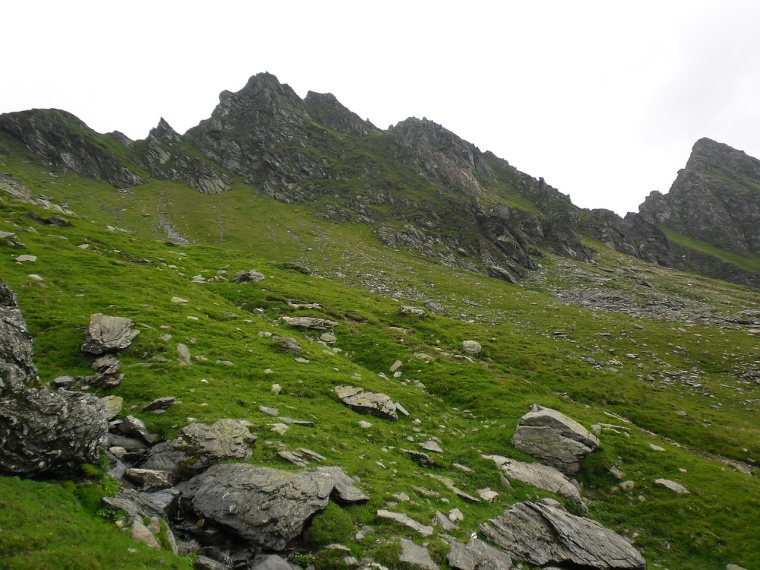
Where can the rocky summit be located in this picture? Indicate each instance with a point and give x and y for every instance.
(289, 339)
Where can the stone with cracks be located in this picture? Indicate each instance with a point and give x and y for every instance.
(108, 334)
(538, 475)
(200, 445)
(554, 439)
(416, 556)
(477, 555)
(263, 506)
(364, 402)
(542, 535)
(41, 432)
(345, 491)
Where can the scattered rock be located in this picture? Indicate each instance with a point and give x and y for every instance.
(455, 515)
(538, 475)
(471, 347)
(178, 300)
(431, 445)
(555, 439)
(444, 522)
(108, 334)
(266, 507)
(272, 562)
(372, 403)
(26, 258)
(396, 365)
(421, 458)
(247, 276)
(287, 344)
(654, 447)
(163, 403)
(407, 521)
(409, 310)
(206, 563)
(673, 486)
(269, 411)
(416, 556)
(135, 427)
(150, 479)
(140, 533)
(488, 495)
(184, 354)
(345, 491)
(112, 405)
(542, 535)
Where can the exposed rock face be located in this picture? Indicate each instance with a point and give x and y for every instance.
(200, 445)
(555, 439)
(166, 160)
(364, 402)
(108, 334)
(325, 109)
(40, 431)
(264, 506)
(68, 144)
(542, 535)
(538, 475)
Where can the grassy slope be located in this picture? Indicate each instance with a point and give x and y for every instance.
(472, 407)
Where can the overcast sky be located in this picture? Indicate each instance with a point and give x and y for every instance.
(604, 99)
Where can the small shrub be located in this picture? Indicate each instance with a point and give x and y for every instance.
(331, 526)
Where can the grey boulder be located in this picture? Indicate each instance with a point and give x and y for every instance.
(266, 507)
(538, 475)
(541, 534)
(554, 439)
(200, 445)
(41, 431)
(313, 323)
(372, 403)
(108, 334)
(247, 276)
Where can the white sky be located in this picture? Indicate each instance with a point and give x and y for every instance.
(604, 99)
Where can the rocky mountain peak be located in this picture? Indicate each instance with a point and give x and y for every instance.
(709, 155)
(326, 110)
(165, 133)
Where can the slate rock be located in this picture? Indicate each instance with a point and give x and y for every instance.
(345, 491)
(200, 445)
(541, 535)
(673, 486)
(287, 344)
(406, 520)
(135, 427)
(416, 556)
(41, 431)
(163, 403)
(108, 334)
(477, 555)
(364, 402)
(539, 475)
(247, 276)
(263, 506)
(150, 479)
(112, 406)
(554, 439)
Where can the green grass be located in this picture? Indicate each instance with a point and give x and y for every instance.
(473, 407)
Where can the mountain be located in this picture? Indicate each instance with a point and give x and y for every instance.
(287, 329)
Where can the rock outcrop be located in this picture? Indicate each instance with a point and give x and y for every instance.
(555, 439)
(372, 403)
(543, 535)
(41, 432)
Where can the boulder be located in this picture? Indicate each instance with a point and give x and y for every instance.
(673, 486)
(406, 520)
(287, 344)
(200, 445)
(263, 506)
(247, 276)
(554, 439)
(538, 475)
(364, 402)
(41, 431)
(345, 491)
(541, 534)
(471, 347)
(108, 334)
(477, 555)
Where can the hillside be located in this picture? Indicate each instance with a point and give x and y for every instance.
(568, 309)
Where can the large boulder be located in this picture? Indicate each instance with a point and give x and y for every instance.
(266, 507)
(41, 432)
(477, 555)
(554, 439)
(108, 334)
(199, 446)
(372, 403)
(541, 534)
(539, 475)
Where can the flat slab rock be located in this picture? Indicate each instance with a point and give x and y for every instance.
(267, 507)
(372, 403)
(312, 323)
(542, 535)
(416, 556)
(108, 334)
(539, 475)
(554, 439)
